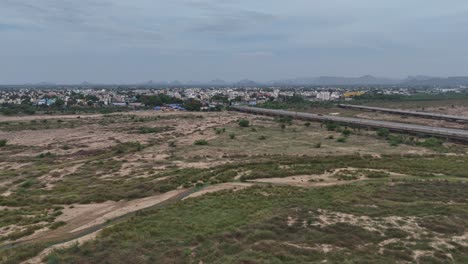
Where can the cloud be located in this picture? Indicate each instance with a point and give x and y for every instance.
(253, 37)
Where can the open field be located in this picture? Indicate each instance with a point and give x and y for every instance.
(197, 187)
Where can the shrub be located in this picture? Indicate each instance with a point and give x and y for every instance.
(377, 174)
(395, 140)
(346, 132)
(244, 123)
(283, 126)
(201, 142)
(428, 143)
(232, 136)
(383, 132)
(171, 144)
(331, 126)
(219, 130)
(57, 225)
(3, 142)
(307, 124)
(331, 137)
(285, 120)
(262, 137)
(318, 145)
(341, 140)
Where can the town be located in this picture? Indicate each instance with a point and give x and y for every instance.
(196, 98)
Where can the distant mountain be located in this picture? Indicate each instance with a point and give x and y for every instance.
(450, 81)
(246, 82)
(334, 80)
(217, 82)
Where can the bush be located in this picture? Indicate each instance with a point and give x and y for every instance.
(383, 132)
(341, 140)
(307, 124)
(232, 136)
(377, 175)
(57, 225)
(201, 142)
(219, 130)
(428, 143)
(331, 126)
(3, 142)
(346, 132)
(262, 137)
(395, 140)
(285, 120)
(318, 145)
(244, 123)
(147, 130)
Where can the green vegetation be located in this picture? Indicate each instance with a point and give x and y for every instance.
(331, 126)
(295, 103)
(158, 100)
(282, 225)
(219, 130)
(200, 142)
(346, 132)
(244, 123)
(192, 105)
(383, 196)
(341, 140)
(3, 142)
(383, 132)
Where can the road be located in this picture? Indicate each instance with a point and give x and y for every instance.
(408, 113)
(457, 134)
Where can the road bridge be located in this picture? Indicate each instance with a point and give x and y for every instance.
(457, 134)
(461, 119)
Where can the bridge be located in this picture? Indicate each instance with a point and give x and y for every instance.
(455, 118)
(456, 134)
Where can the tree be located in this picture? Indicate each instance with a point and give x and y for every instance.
(192, 105)
(59, 102)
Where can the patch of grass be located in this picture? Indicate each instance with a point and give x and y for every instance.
(56, 225)
(274, 224)
(200, 142)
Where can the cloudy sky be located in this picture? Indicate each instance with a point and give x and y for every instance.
(110, 41)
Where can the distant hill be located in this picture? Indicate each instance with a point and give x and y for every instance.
(246, 82)
(450, 81)
(335, 80)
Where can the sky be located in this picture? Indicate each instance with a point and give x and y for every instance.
(121, 41)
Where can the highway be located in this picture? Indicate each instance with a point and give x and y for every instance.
(408, 113)
(457, 134)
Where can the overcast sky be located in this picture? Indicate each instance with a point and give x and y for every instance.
(110, 41)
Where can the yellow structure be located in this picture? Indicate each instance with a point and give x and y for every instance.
(353, 94)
